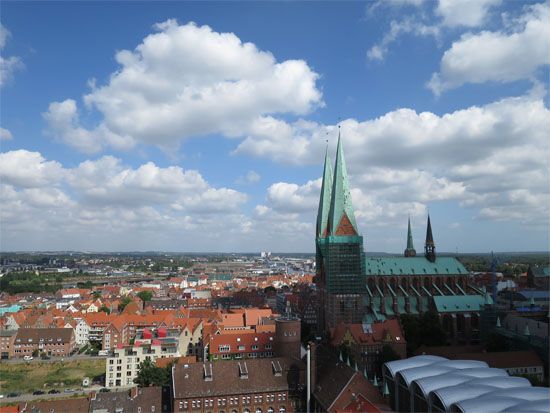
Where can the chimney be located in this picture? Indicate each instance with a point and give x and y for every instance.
(133, 392)
(313, 364)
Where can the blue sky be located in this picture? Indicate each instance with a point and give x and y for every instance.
(202, 126)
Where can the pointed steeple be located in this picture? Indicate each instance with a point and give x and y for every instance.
(498, 322)
(341, 218)
(410, 251)
(429, 246)
(324, 199)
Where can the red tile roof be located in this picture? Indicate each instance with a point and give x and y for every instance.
(388, 329)
(246, 339)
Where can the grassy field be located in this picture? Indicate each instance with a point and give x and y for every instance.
(24, 378)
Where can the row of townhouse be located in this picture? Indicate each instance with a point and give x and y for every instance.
(58, 342)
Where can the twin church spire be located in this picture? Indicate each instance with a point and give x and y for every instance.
(336, 215)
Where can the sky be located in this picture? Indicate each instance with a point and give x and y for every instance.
(202, 126)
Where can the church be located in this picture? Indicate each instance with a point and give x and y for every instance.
(355, 289)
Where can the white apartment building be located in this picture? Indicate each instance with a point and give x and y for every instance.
(123, 366)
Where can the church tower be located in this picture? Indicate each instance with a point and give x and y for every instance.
(410, 251)
(340, 258)
(429, 246)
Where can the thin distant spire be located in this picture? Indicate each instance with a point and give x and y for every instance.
(410, 251)
(429, 246)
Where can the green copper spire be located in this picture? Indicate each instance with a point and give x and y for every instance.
(340, 204)
(324, 199)
(410, 251)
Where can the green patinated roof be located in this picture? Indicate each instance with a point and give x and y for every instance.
(341, 197)
(413, 266)
(457, 303)
(324, 199)
(541, 271)
(410, 245)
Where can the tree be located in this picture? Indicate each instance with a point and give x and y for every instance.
(269, 290)
(424, 329)
(105, 309)
(145, 295)
(96, 295)
(496, 342)
(123, 303)
(151, 375)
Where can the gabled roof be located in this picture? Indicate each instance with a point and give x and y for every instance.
(373, 333)
(341, 215)
(246, 339)
(189, 382)
(412, 266)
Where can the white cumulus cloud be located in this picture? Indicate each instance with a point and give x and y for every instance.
(500, 56)
(184, 81)
(8, 65)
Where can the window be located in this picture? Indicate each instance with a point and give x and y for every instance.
(282, 409)
(241, 348)
(254, 347)
(224, 348)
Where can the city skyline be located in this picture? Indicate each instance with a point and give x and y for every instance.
(184, 127)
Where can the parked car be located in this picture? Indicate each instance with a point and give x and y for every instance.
(69, 391)
(104, 390)
(13, 394)
(53, 391)
(37, 392)
(28, 358)
(45, 357)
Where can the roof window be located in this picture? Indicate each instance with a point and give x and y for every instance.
(207, 372)
(277, 369)
(243, 370)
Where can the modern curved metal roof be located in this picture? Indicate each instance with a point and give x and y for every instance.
(396, 366)
(409, 375)
(502, 382)
(453, 394)
(483, 372)
(526, 393)
(484, 404)
(428, 384)
(537, 406)
(463, 364)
